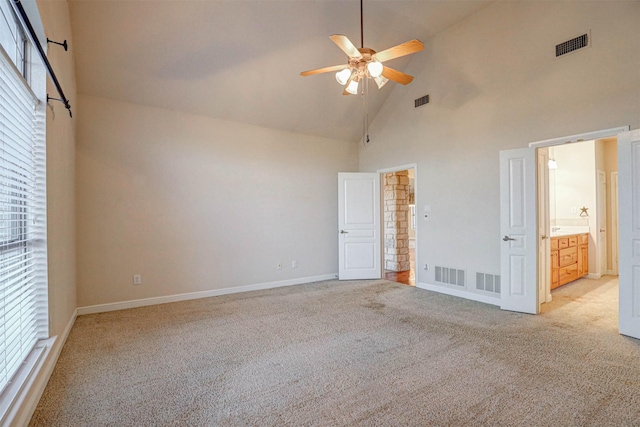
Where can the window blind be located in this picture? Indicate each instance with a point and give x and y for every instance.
(23, 256)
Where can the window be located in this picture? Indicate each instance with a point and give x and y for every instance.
(12, 37)
(23, 256)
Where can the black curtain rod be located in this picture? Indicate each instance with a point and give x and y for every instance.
(34, 40)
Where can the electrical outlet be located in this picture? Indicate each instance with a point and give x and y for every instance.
(294, 264)
(279, 266)
(137, 279)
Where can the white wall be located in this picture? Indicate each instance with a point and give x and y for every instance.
(495, 84)
(197, 204)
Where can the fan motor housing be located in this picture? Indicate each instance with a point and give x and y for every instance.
(360, 64)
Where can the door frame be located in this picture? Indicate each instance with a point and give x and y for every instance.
(601, 211)
(543, 224)
(614, 223)
(581, 137)
(381, 173)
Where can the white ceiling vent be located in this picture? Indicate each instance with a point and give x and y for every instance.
(573, 44)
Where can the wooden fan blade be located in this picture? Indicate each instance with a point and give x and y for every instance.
(324, 70)
(397, 76)
(403, 49)
(345, 44)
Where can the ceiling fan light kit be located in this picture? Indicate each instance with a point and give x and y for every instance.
(375, 69)
(352, 87)
(381, 81)
(364, 63)
(343, 76)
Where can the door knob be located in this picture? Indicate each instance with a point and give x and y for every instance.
(544, 236)
(344, 232)
(602, 231)
(507, 238)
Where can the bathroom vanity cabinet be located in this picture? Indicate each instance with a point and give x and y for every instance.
(569, 258)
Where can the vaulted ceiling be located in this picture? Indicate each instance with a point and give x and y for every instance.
(241, 60)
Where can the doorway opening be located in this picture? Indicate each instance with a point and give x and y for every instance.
(399, 225)
(580, 254)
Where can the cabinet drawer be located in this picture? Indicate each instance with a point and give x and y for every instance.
(568, 256)
(563, 242)
(583, 239)
(573, 241)
(568, 274)
(555, 244)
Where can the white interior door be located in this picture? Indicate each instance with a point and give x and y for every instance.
(518, 233)
(629, 231)
(359, 226)
(601, 195)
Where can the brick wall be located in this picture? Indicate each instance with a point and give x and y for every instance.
(396, 221)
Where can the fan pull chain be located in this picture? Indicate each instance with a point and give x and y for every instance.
(365, 115)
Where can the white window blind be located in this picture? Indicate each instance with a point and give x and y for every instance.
(23, 256)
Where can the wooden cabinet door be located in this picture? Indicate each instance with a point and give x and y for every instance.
(568, 274)
(583, 260)
(555, 268)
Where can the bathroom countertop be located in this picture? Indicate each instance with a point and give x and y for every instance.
(568, 230)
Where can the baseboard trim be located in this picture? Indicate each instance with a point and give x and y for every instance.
(460, 294)
(593, 276)
(27, 400)
(123, 305)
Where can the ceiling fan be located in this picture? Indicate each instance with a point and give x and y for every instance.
(366, 63)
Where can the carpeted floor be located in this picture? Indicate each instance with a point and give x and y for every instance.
(366, 353)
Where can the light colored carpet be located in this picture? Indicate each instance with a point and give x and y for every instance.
(367, 353)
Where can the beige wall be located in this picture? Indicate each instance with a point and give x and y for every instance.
(60, 171)
(495, 84)
(198, 204)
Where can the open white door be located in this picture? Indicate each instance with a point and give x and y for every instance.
(359, 226)
(629, 231)
(518, 234)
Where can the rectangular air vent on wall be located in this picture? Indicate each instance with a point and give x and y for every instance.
(573, 45)
(450, 276)
(488, 282)
(422, 101)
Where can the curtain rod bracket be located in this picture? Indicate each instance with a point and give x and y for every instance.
(64, 101)
(63, 44)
